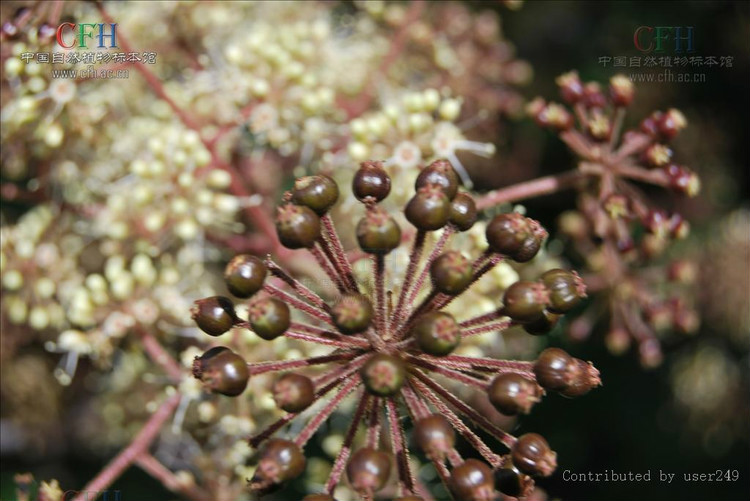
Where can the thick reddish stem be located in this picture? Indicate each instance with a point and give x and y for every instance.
(453, 375)
(301, 289)
(311, 310)
(158, 354)
(132, 452)
(534, 188)
(498, 325)
(263, 367)
(153, 467)
(326, 335)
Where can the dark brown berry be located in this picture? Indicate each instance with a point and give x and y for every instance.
(222, 371)
(297, 226)
(439, 173)
(528, 251)
(318, 497)
(531, 245)
(293, 392)
(565, 289)
(434, 435)
(368, 470)
(371, 180)
(429, 209)
(269, 317)
(214, 315)
(383, 374)
(352, 313)
(542, 324)
(378, 233)
(472, 480)
(512, 482)
(554, 369)
(506, 233)
(463, 212)
(437, 333)
(513, 394)
(244, 275)
(531, 455)
(525, 301)
(319, 193)
(451, 273)
(280, 460)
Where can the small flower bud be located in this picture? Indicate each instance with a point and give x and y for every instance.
(571, 88)
(621, 90)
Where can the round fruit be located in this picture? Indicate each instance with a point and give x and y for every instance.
(371, 180)
(451, 273)
(214, 315)
(437, 333)
(513, 394)
(319, 193)
(439, 173)
(472, 480)
(222, 371)
(463, 213)
(434, 435)
(554, 369)
(352, 313)
(383, 375)
(269, 317)
(429, 209)
(566, 289)
(378, 233)
(525, 301)
(297, 226)
(506, 233)
(368, 470)
(511, 482)
(531, 455)
(280, 460)
(293, 392)
(244, 275)
(543, 324)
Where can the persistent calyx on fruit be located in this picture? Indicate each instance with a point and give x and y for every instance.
(222, 371)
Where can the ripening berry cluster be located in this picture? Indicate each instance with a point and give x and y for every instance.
(392, 350)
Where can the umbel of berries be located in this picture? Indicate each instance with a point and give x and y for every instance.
(391, 347)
